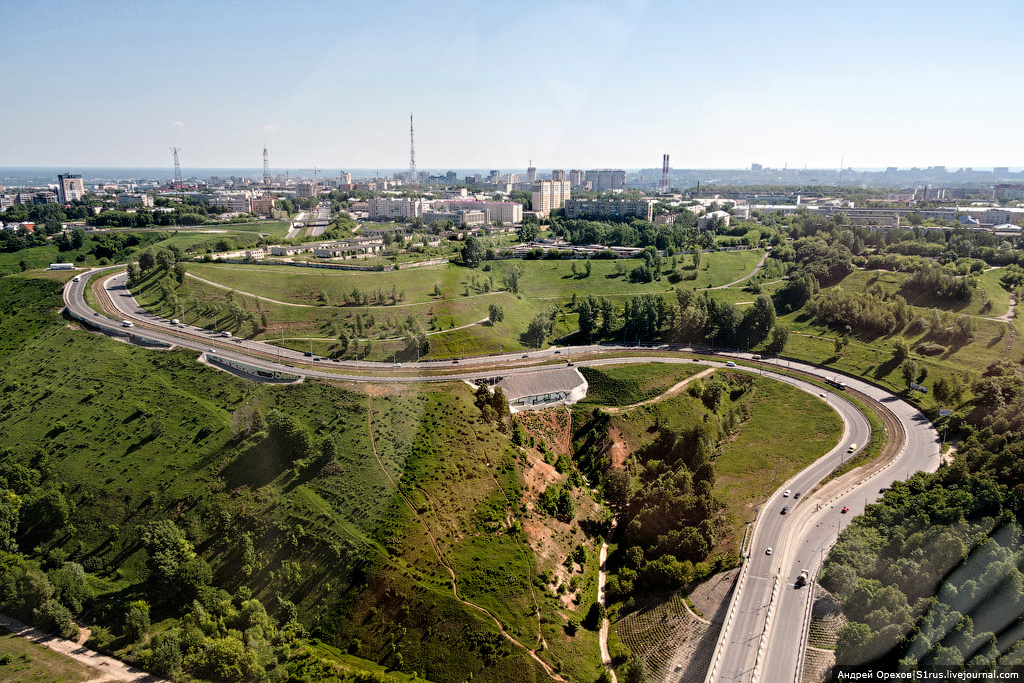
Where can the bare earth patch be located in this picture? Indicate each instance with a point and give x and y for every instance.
(711, 596)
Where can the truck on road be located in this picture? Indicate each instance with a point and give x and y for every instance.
(802, 579)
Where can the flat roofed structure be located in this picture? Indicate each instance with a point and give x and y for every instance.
(543, 388)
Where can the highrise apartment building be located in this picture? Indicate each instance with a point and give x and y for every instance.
(577, 178)
(558, 175)
(69, 187)
(531, 174)
(603, 179)
(549, 195)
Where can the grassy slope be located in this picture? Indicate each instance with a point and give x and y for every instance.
(628, 384)
(872, 357)
(545, 285)
(146, 435)
(36, 664)
(788, 429)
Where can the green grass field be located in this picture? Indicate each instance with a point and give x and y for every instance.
(312, 303)
(627, 384)
(33, 663)
(788, 429)
(871, 358)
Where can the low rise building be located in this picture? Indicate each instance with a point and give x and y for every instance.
(255, 254)
(144, 200)
(458, 217)
(505, 212)
(543, 388)
(263, 205)
(706, 220)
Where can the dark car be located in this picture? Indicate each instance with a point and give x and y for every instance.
(796, 495)
(785, 509)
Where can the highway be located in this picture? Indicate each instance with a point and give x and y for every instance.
(765, 631)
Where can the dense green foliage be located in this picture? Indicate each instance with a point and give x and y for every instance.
(932, 574)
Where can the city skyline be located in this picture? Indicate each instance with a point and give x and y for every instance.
(800, 85)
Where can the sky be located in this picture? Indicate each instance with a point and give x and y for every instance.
(499, 84)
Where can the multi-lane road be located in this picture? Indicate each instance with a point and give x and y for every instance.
(765, 632)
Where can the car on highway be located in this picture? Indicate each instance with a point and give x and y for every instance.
(212, 349)
(307, 354)
(785, 494)
(768, 551)
(525, 356)
(852, 448)
(796, 495)
(822, 394)
(729, 364)
(846, 508)
(127, 323)
(557, 351)
(883, 489)
(76, 278)
(455, 362)
(396, 365)
(785, 509)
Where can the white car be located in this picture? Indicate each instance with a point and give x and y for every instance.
(785, 494)
(729, 364)
(768, 551)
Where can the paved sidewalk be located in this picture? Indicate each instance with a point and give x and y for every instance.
(106, 667)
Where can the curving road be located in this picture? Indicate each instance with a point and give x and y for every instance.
(765, 632)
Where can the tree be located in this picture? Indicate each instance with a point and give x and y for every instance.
(900, 350)
(70, 586)
(166, 659)
(909, 369)
(778, 338)
(495, 313)
(696, 257)
(136, 620)
(635, 671)
(10, 504)
(528, 232)
(53, 617)
(472, 252)
(168, 551)
(437, 290)
(538, 330)
(511, 277)
(146, 261)
(179, 272)
(133, 274)
(618, 486)
(587, 267)
(587, 311)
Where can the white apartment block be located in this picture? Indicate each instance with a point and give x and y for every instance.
(395, 208)
(549, 195)
(506, 212)
(69, 188)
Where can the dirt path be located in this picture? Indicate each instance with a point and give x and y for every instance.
(747, 276)
(444, 562)
(106, 667)
(602, 636)
(672, 391)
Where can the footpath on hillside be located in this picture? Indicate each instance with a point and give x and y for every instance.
(106, 667)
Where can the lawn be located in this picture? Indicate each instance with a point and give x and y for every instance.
(788, 429)
(632, 383)
(872, 358)
(33, 663)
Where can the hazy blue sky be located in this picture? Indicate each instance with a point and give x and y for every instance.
(495, 84)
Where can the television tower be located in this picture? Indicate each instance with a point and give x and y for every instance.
(177, 168)
(664, 173)
(266, 168)
(413, 178)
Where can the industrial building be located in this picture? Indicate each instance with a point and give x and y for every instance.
(543, 388)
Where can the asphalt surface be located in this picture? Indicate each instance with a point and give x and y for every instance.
(754, 647)
(801, 540)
